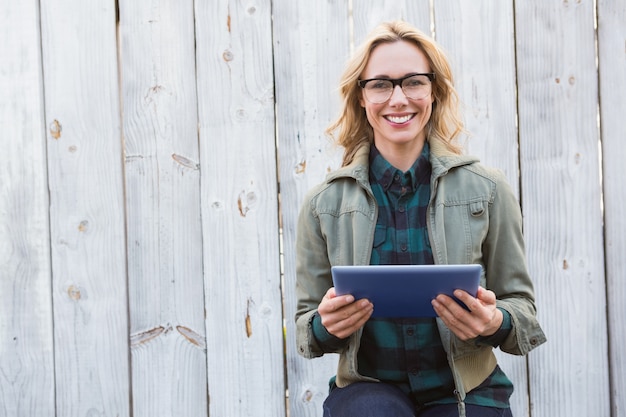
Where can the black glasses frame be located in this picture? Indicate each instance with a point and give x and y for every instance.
(397, 81)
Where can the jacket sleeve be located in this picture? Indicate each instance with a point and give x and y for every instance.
(313, 277)
(507, 271)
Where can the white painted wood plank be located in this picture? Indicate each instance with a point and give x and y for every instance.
(367, 14)
(26, 340)
(483, 61)
(240, 209)
(311, 45)
(558, 99)
(166, 297)
(86, 207)
(612, 63)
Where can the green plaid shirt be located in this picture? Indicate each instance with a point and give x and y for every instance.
(408, 352)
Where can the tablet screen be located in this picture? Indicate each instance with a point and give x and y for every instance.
(405, 290)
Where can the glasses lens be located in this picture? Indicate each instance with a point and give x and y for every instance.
(378, 91)
(417, 87)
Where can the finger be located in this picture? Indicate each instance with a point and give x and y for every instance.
(336, 310)
(447, 309)
(486, 296)
(331, 302)
(354, 308)
(456, 326)
(452, 305)
(473, 304)
(346, 325)
(456, 318)
(358, 315)
(482, 309)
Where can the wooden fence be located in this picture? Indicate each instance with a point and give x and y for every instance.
(155, 154)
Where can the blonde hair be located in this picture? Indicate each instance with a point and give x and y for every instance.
(445, 124)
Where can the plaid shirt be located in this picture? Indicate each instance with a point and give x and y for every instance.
(408, 352)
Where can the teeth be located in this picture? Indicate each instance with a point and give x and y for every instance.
(402, 119)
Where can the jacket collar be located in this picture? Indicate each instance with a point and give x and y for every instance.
(357, 169)
(442, 162)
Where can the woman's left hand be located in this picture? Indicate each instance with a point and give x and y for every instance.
(483, 319)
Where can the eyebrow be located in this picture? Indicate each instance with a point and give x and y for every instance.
(385, 76)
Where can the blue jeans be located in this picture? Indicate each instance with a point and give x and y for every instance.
(372, 399)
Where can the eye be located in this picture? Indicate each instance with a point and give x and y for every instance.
(416, 81)
(379, 85)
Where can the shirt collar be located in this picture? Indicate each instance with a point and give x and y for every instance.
(382, 172)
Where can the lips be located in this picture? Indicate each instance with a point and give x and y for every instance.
(400, 119)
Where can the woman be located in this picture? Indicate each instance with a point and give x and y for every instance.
(406, 195)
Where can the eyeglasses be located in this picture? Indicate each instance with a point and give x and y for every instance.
(414, 86)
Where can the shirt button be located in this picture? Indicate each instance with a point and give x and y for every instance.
(401, 209)
(410, 331)
(403, 248)
(413, 371)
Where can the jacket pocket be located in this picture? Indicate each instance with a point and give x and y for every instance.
(466, 226)
(477, 208)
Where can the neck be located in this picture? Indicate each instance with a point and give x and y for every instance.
(401, 156)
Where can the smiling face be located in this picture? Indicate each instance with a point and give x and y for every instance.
(399, 123)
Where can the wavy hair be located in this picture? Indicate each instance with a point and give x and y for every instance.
(445, 125)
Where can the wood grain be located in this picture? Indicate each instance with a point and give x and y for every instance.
(164, 233)
(82, 107)
(558, 99)
(26, 338)
(612, 65)
(244, 327)
(311, 44)
(156, 153)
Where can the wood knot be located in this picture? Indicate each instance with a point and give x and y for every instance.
(55, 129)
(74, 292)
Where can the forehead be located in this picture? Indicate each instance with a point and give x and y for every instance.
(395, 59)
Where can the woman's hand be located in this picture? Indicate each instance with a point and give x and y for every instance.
(483, 319)
(341, 315)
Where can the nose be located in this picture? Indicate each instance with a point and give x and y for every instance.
(397, 96)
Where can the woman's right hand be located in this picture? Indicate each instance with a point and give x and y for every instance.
(342, 315)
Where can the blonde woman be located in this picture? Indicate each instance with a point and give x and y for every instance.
(406, 195)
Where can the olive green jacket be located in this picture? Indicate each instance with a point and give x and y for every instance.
(473, 217)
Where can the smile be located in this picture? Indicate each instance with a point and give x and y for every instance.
(400, 119)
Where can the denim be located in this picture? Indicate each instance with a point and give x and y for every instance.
(452, 410)
(372, 399)
(368, 399)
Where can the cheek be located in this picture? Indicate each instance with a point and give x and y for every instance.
(427, 108)
(371, 114)
(368, 115)
(432, 103)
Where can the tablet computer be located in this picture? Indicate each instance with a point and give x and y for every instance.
(405, 290)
